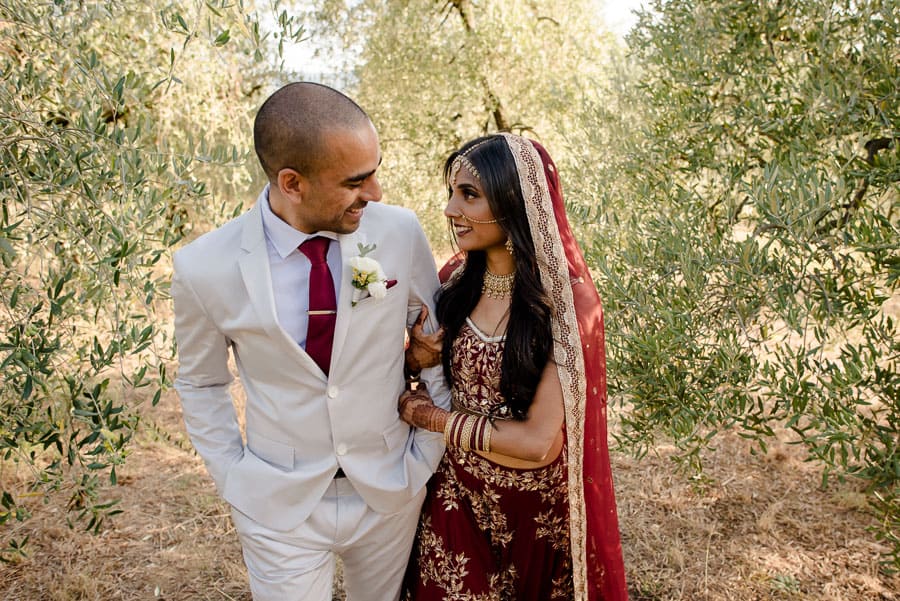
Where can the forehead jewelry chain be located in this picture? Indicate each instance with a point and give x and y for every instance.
(498, 286)
(463, 159)
(458, 162)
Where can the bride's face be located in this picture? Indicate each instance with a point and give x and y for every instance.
(470, 214)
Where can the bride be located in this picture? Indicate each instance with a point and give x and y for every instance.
(522, 504)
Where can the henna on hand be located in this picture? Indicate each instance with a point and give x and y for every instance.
(406, 398)
(429, 417)
(424, 350)
(417, 409)
(409, 400)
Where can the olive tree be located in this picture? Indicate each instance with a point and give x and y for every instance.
(435, 74)
(748, 232)
(124, 125)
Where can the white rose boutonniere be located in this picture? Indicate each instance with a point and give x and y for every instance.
(368, 277)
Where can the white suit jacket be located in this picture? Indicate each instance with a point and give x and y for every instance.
(301, 425)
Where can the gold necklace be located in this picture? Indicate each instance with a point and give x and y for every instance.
(497, 286)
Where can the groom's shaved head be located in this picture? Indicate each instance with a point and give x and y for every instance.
(293, 123)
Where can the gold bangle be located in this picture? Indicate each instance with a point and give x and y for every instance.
(478, 436)
(435, 419)
(466, 436)
(448, 429)
(477, 431)
(451, 429)
(457, 428)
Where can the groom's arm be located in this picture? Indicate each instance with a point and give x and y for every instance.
(423, 286)
(204, 380)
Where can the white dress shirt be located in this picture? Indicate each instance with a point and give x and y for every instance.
(290, 271)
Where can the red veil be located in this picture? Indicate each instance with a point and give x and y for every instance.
(580, 353)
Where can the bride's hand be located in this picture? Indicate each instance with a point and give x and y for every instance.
(424, 350)
(410, 400)
(417, 409)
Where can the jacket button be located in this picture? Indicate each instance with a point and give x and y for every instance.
(332, 392)
(342, 449)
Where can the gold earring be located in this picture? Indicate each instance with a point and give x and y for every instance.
(509, 247)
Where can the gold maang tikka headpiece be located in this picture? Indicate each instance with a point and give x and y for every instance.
(458, 162)
(463, 159)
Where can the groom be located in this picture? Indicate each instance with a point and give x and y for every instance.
(327, 467)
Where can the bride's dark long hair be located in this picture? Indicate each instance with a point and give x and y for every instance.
(529, 336)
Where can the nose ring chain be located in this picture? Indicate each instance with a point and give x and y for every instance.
(478, 221)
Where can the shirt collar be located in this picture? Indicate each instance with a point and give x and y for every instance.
(282, 235)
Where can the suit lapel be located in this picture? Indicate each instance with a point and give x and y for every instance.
(349, 249)
(254, 265)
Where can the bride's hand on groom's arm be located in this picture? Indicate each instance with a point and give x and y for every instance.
(424, 350)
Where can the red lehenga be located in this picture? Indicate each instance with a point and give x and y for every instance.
(492, 533)
(478, 514)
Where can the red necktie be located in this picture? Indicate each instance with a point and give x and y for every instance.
(322, 303)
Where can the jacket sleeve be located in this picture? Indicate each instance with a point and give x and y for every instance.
(203, 380)
(423, 287)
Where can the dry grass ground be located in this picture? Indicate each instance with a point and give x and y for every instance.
(757, 527)
(174, 540)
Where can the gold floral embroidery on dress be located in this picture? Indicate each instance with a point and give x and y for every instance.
(447, 493)
(443, 568)
(447, 570)
(476, 375)
(562, 586)
(489, 517)
(548, 481)
(554, 528)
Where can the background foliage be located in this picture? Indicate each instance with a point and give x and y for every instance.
(733, 177)
(121, 122)
(760, 203)
(435, 74)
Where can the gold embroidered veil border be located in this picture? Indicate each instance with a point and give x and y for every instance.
(567, 351)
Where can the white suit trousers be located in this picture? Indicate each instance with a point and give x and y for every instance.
(299, 565)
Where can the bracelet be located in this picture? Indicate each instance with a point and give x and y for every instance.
(466, 436)
(451, 428)
(411, 375)
(484, 436)
(468, 432)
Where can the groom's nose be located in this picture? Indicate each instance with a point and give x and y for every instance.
(371, 190)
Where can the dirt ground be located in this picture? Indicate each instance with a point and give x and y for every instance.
(755, 527)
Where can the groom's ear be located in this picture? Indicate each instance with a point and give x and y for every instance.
(292, 184)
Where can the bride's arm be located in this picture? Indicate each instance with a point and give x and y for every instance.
(531, 439)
